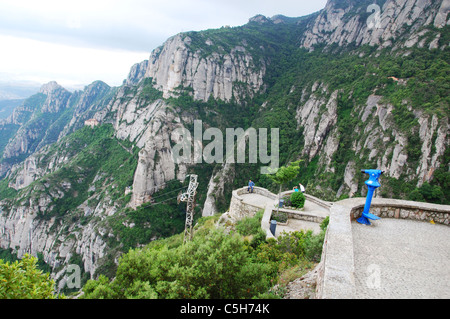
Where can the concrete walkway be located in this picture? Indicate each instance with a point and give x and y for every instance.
(401, 259)
(294, 224)
(257, 200)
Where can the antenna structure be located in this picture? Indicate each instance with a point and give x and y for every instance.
(189, 197)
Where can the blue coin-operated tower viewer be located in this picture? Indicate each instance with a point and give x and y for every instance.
(372, 184)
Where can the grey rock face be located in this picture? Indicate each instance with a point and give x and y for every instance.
(335, 24)
(174, 65)
(137, 73)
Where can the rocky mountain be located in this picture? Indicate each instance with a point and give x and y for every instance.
(378, 23)
(7, 107)
(42, 118)
(179, 63)
(359, 84)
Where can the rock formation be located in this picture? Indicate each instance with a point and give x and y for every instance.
(339, 24)
(175, 65)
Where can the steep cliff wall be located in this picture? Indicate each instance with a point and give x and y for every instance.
(363, 22)
(376, 141)
(176, 65)
(149, 124)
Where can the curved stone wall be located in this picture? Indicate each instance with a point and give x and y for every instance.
(239, 209)
(392, 208)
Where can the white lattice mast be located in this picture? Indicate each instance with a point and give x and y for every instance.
(189, 197)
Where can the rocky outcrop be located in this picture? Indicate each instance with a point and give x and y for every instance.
(93, 98)
(49, 115)
(137, 73)
(156, 165)
(150, 126)
(376, 141)
(22, 231)
(316, 120)
(216, 188)
(434, 134)
(364, 23)
(175, 65)
(57, 97)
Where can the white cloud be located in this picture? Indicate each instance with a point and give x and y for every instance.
(43, 62)
(86, 40)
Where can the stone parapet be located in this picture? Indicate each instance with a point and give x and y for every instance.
(336, 272)
(400, 209)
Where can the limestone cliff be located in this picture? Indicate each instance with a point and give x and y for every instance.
(175, 65)
(363, 22)
(137, 73)
(149, 125)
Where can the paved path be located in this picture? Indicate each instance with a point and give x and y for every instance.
(297, 225)
(294, 224)
(257, 200)
(401, 259)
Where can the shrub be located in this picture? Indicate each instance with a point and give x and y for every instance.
(250, 225)
(298, 199)
(280, 217)
(23, 280)
(213, 265)
(287, 201)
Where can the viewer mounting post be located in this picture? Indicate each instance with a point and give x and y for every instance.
(189, 197)
(372, 184)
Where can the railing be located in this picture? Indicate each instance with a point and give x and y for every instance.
(336, 275)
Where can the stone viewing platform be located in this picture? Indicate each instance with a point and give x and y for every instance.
(245, 204)
(404, 255)
(376, 261)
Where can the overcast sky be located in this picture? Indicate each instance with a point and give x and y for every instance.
(76, 42)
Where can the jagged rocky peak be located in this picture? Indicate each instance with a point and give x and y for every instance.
(276, 19)
(440, 20)
(259, 18)
(376, 22)
(95, 87)
(137, 73)
(50, 87)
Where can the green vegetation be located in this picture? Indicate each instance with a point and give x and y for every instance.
(22, 280)
(149, 93)
(214, 265)
(5, 190)
(298, 199)
(285, 174)
(163, 218)
(98, 154)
